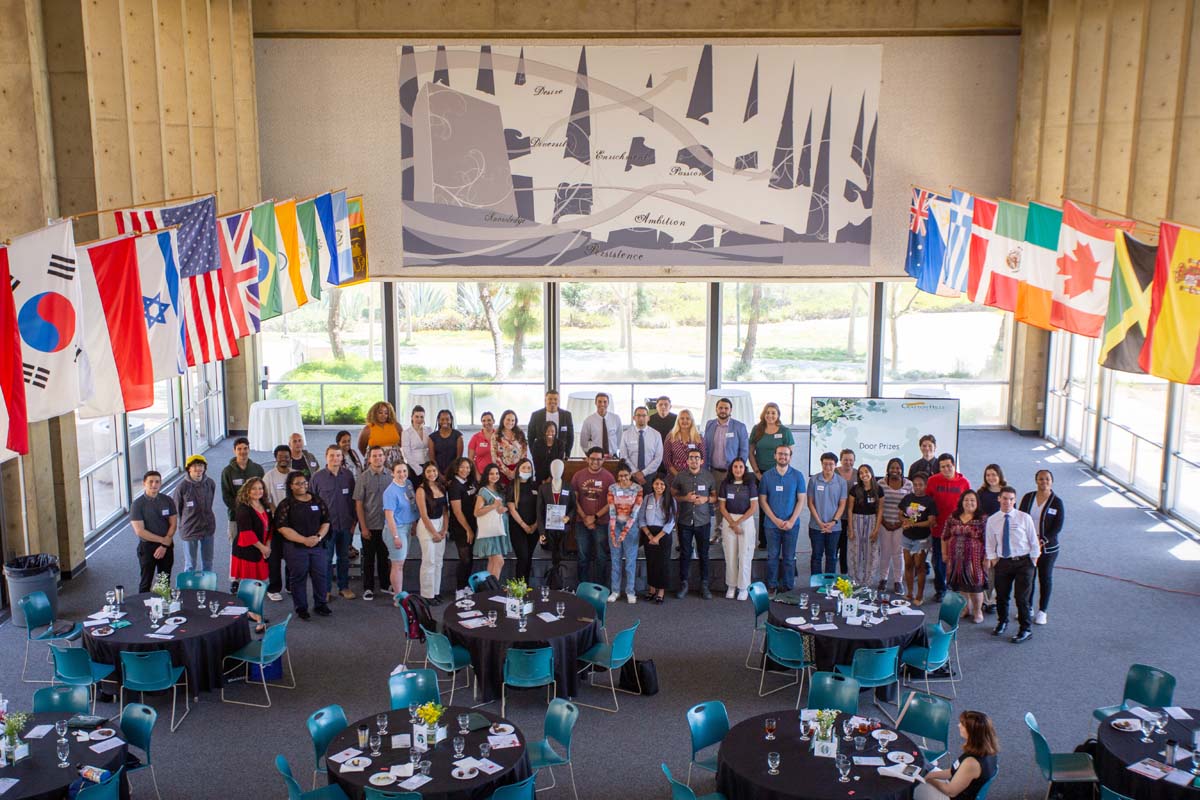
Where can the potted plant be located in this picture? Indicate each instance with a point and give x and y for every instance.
(516, 605)
(429, 730)
(15, 723)
(825, 738)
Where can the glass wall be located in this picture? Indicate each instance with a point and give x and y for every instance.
(101, 470)
(154, 436)
(1185, 483)
(1134, 425)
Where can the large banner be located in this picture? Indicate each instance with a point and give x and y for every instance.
(881, 428)
(600, 155)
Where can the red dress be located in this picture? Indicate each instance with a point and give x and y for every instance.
(246, 561)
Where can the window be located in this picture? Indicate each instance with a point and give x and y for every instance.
(154, 435)
(1133, 429)
(1186, 489)
(786, 343)
(204, 415)
(1072, 393)
(101, 459)
(947, 347)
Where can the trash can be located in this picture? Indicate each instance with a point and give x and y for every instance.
(28, 574)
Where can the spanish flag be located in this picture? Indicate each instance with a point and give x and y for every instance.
(1128, 312)
(1173, 337)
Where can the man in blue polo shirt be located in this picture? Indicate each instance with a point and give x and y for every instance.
(780, 493)
(827, 495)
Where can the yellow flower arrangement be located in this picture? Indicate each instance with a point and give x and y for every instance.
(844, 586)
(431, 714)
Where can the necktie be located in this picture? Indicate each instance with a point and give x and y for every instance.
(641, 450)
(604, 436)
(1006, 548)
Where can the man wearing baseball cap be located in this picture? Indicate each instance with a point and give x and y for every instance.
(197, 523)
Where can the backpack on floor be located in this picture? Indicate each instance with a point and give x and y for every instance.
(646, 676)
(492, 584)
(556, 578)
(418, 616)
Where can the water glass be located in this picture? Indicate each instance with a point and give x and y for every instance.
(884, 741)
(522, 623)
(364, 734)
(803, 601)
(120, 594)
(828, 617)
(425, 766)
(460, 746)
(804, 729)
(491, 615)
(1196, 761)
(376, 742)
(847, 730)
(1147, 727)
(155, 615)
(860, 743)
(412, 713)
(772, 763)
(414, 758)
(485, 749)
(176, 595)
(769, 727)
(381, 722)
(200, 598)
(63, 749)
(1160, 722)
(60, 728)
(560, 608)
(110, 599)
(214, 607)
(464, 720)
(545, 593)
(843, 768)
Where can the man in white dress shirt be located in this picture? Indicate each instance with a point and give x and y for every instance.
(602, 429)
(642, 448)
(1012, 549)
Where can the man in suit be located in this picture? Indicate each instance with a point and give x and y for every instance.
(725, 439)
(552, 413)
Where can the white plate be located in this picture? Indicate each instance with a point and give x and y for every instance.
(883, 734)
(1127, 725)
(358, 761)
(102, 733)
(796, 621)
(382, 779)
(900, 603)
(465, 604)
(174, 620)
(464, 774)
(900, 757)
(103, 630)
(500, 729)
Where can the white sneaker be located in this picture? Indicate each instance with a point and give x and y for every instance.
(630, 598)
(743, 595)
(1039, 618)
(612, 598)
(274, 597)
(730, 592)
(368, 594)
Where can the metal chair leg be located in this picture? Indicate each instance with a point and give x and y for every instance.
(763, 678)
(750, 652)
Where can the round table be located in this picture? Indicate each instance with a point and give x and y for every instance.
(272, 422)
(514, 761)
(199, 645)
(742, 765)
(838, 646)
(433, 399)
(743, 406)
(574, 634)
(1116, 750)
(39, 778)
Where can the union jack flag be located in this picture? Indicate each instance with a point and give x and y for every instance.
(918, 212)
(205, 305)
(239, 268)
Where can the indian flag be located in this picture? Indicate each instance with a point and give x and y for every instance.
(291, 259)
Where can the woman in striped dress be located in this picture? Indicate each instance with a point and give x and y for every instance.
(889, 563)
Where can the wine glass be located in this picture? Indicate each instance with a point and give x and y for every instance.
(847, 729)
(464, 720)
(376, 742)
(155, 615)
(1196, 760)
(176, 596)
(545, 593)
(804, 728)
(1147, 726)
(412, 713)
(772, 763)
(460, 746)
(381, 722)
(1160, 721)
(200, 595)
(63, 750)
(491, 616)
(884, 740)
(769, 726)
(560, 608)
(60, 728)
(110, 600)
(214, 607)
(843, 767)
(522, 623)
(803, 602)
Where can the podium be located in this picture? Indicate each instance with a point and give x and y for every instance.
(570, 467)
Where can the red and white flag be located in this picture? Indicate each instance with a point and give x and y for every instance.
(1086, 249)
(983, 218)
(12, 379)
(239, 271)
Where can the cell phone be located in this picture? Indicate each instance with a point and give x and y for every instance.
(910, 771)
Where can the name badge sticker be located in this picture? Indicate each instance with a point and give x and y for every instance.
(565, 492)
(345, 491)
(166, 512)
(820, 488)
(779, 436)
(238, 481)
(1052, 511)
(729, 495)
(189, 504)
(315, 508)
(700, 487)
(730, 435)
(779, 488)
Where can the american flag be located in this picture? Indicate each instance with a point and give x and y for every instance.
(205, 307)
(239, 268)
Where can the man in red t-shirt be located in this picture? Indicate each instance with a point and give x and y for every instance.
(590, 486)
(944, 488)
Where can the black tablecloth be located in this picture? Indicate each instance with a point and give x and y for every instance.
(577, 631)
(1117, 750)
(742, 766)
(514, 760)
(837, 647)
(39, 777)
(198, 646)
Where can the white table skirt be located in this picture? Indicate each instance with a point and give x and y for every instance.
(272, 422)
(743, 408)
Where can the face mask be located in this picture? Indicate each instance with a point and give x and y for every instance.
(526, 475)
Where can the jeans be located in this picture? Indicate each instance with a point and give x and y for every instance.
(198, 554)
(823, 544)
(1044, 578)
(305, 563)
(739, 552)
(939, 567)
(689, 536)
(781, 546)
(150, 565)
(340, 547)
(628, 550)
(375, 561)
(431, 559)
(593, 548)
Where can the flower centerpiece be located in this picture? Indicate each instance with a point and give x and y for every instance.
(516, 605)
(844, 586)
(429, 729)
(15, 723)
(825, 738)
(161, 591)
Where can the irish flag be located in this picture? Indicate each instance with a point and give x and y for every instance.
(1005, 260)
(1173, 337)
(1084, 270)
(1036, 291)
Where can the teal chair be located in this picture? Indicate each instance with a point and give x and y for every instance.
(323, 725)
(137, 727)
(74, 667)
(418, 686)
(331, 792)
(558, 729)
(379, 794)
(408, 640)
(1105, 794)
(928, 718)
(987, 787)
(528, 669)
(261, 653)
(154, 672)
(476, 581)
(597, 597)
(612, 657)
(252, 594)
(197, 580)
(708, 723)
(789, 649)
(40, 614)
(823, 580)
(449, 658)
(760, 599)
(516, 791)
(873, 667)
(681, 791)
(109, 789)
(950, 614)
(830, 690)
(931, 656)
(1059, 767)
(61, 700)
(1146, 685)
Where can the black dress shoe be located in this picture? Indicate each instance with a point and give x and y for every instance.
(323, 611)
(989, 608)
(304, 614)
(1000, 628)
(1022, 635)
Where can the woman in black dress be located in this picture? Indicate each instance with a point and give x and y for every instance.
(461, 490)
(523, 510)
(446, 443)
(546, 449)
(971, 771)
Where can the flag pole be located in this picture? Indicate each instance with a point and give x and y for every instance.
(247, 208)
(98, 212)
(128, 235)
(1095, 207)
(926, 188)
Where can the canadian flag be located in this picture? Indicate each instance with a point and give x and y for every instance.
(1086, 249)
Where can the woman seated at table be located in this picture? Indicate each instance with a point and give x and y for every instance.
(252, 547)
(491, 513)
(382, 430)
(656, 521)
(546, 450)
(970, 771)
(963, 552)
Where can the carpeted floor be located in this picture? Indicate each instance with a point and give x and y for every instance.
(1113, 605)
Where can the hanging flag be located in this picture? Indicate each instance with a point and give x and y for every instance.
(358, 238)
(239, 271)
(1128, 313)
(1035, 294)
(983, 219)
(341, 224)
(958, 242)
(157, 259)
(207, 318)
(114, 337)
(1084, 270)
(291, 259)
(936, 249)
(1173, 333)
(310, 246)
(326, 236)
(45, 289)
(1005, 262)
(13, 417)
(918, 230)
(264, 226)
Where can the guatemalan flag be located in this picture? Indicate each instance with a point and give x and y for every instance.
(239, 271)
(158, 257)
(341, 271)
(208, 321)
